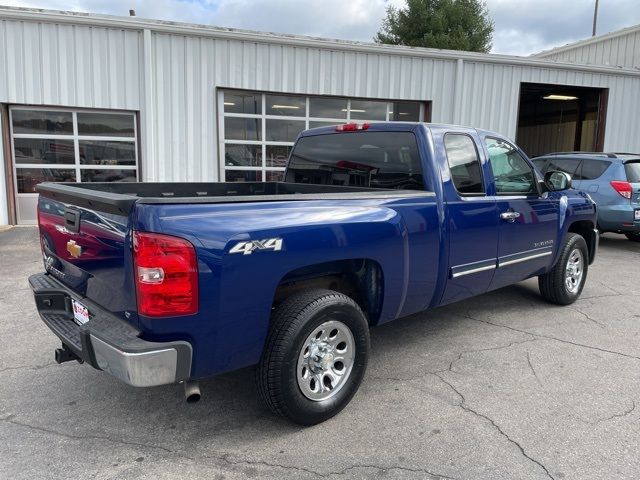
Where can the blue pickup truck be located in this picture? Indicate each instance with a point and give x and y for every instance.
(160, 283)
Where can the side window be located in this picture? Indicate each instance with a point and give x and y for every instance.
(567, 165)
(464, 163)
(592, 169)
(511, 172)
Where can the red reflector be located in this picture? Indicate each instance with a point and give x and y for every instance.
(352, 127)
(166, 272)
(623, 188)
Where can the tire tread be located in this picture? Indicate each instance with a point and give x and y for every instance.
(286, 321)
(551, 284)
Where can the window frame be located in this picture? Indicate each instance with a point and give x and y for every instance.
(76, 138)
(306, 117)
(482, 179)
(536, 189)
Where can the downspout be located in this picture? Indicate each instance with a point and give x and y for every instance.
(457, 93)
(147, 114)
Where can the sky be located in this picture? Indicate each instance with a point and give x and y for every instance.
(522, 27)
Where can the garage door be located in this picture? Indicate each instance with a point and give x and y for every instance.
(57, 145)
(257, 129)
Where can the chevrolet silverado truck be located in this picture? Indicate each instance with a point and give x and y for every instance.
(161, 283)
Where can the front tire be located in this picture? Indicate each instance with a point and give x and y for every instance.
(634, 237)
(315, 356)
(563, 284)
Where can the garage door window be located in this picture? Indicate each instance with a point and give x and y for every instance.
(52, 145)
(257, 130)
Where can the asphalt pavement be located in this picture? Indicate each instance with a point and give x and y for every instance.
(499, 386)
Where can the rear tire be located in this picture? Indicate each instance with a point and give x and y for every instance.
(634, 237)
(315, 356)
(563, 284)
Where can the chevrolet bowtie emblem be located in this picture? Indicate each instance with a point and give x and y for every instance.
(74, 249)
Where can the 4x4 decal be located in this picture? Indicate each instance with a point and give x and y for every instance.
(247, 248)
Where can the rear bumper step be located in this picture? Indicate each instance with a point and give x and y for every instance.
(106, 342)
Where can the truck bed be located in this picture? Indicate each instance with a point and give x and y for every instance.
(119, 198)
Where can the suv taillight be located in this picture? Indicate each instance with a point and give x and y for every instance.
(623, 188)
(166, 271)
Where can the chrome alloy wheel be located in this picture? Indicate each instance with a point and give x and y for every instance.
(325, 361)
(574, 271)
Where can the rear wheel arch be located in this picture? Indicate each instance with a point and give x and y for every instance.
(360, 279)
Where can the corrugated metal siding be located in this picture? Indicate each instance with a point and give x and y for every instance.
(187, 70)
(621, 51)
(491, 93)
(71, 65)
(172, 79)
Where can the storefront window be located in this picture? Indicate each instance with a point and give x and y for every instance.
(256, 139)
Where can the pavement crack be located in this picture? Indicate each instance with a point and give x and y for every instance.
(454, 361)
(533, 370)
(11, 419)
(549, 337)
(609, 287)
(618, 415)
(588, 317)
(465, 406)
(225, 458)
(28, 367)
(501, 347)
(394, 467)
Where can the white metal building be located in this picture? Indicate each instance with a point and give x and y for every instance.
(103, 98)
(617, 49)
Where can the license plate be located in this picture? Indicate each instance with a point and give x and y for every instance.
(80, 313)
(637, 215)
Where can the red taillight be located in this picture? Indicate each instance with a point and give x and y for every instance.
(623, 188)
(166, 271)
(352, 127)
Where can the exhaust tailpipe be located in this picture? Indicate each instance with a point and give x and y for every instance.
(191, 391)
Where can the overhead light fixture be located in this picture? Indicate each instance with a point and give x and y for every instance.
(559, 97)
(285, 107)
(230, 104)
(353, 110)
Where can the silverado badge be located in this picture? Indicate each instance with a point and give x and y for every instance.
(74, 249)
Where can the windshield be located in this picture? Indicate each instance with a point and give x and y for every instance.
(633, 171)
(362, 159)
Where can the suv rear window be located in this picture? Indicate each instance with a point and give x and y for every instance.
(633, 171)
(360, 159)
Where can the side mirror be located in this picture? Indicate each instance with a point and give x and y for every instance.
(557, 181)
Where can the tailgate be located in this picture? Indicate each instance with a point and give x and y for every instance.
(88, 250)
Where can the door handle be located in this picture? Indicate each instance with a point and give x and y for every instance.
(510, 216)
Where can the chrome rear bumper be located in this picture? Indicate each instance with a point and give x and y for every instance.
(107, 342)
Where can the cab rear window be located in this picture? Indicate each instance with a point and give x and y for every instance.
(388, 160)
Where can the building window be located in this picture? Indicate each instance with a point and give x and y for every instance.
(257, 130)
(56, 145)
